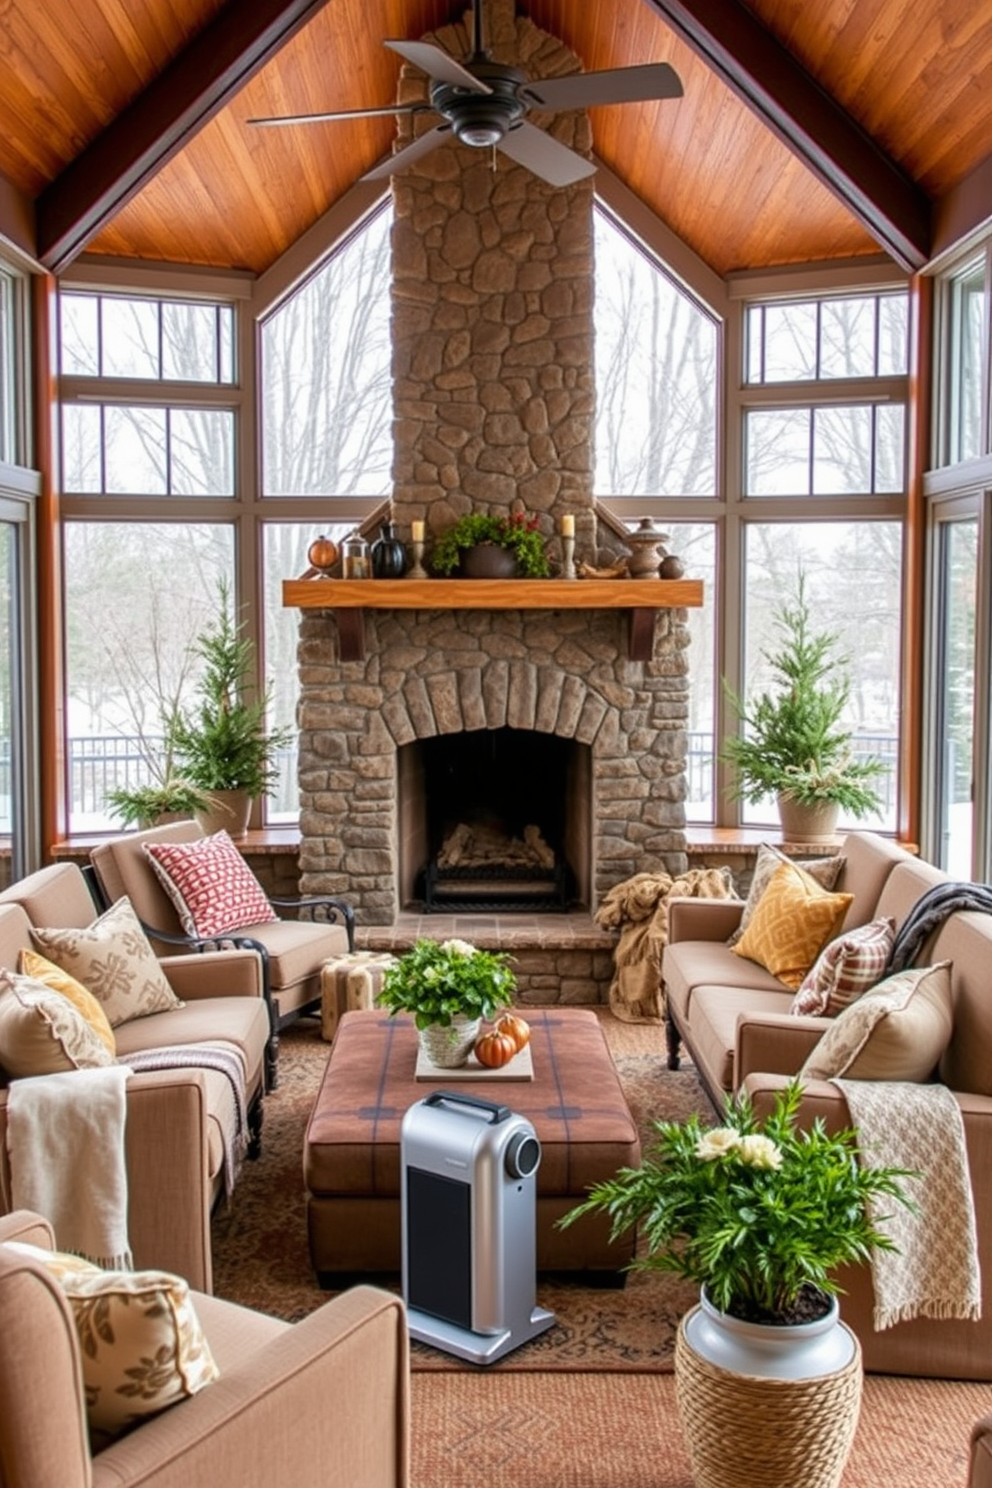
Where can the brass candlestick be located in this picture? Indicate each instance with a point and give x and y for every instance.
(568, 558)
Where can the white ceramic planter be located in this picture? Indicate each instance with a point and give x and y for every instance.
(797, 1352)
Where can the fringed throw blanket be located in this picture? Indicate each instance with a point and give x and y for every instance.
(229, 1061)
(934, 1271)
(65, 1139)
(929, 912)
(638, 907)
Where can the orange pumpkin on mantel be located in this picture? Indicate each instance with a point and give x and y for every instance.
(322, 554)
(518, 1030)
(494, 1049)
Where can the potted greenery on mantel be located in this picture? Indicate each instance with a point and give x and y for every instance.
(470, 546)
(794, 746)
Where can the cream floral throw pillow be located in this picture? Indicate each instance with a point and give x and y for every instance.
(897, 1031)
(114, 960)
(41, 1033)
(141, 1342)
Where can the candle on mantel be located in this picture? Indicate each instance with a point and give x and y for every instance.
(568, 526)
(417, 531)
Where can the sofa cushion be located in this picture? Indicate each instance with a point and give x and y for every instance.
(689, 964)
(712, 1026)
(243, 1021)
(896, 1031)
(141, 1343)
(845, 969)
(793, 920)
(32, 964)
(42, 1033)
(114, 960)
(825, 871)
(210, 884)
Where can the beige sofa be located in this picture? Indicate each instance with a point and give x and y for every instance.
(736, 1022)
(318, 1404)
(175, 1117)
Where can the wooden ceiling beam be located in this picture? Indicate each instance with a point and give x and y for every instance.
(768, 78)
(230, 49)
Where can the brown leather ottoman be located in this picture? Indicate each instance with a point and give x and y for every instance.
(351, 1152)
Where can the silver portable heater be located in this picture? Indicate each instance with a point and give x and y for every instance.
(468, 1190)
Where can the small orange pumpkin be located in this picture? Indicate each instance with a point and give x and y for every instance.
(494, 1049)
(518, 1030)
(322, 553)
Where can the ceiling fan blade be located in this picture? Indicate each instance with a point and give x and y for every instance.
(438, 65)
(618, 85)
(544, 155)
(369, 113)
(422, 146)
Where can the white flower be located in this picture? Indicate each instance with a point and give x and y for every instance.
(717, 1143)
(460, 947)
(759, 1152)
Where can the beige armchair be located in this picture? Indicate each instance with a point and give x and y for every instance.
(175, 1118)
(980, 1473)
(292, 951)
(318, 1404)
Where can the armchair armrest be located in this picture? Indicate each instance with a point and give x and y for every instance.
(702, 919)
(323, 1405)
(168, 1172)
(980, 1475)
(205, 973)
(28, 1227)
(774, 1044)
(338, 909)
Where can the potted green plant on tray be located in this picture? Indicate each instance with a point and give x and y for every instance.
(479, 540)
(149, 805)
(794, 745)
(449, 987)
(221, 745)
(760, 1214)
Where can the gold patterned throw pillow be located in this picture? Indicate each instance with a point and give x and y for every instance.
(897, 1031)
(31, 964)
(114, 959)
(41, 1033)
(826, 872)
(792, 923)
(140, 1340)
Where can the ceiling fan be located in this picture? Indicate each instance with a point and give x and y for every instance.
(484, 103)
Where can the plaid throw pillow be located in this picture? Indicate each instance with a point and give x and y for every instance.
(846, 969)
(210, 884)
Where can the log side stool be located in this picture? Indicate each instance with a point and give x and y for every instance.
(350, 983)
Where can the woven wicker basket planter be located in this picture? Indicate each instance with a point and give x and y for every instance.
(750, 1431)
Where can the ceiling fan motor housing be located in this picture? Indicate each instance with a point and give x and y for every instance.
(482, 119)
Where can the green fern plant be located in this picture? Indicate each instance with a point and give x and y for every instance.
(794, 743)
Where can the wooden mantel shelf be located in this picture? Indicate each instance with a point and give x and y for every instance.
(349, 597)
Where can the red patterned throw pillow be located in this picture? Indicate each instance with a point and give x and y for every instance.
(211, 885)
(846, 969)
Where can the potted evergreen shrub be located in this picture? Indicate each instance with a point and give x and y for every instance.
(221, 745)
(794, 746)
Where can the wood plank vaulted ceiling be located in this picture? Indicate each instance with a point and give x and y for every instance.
(807, 131)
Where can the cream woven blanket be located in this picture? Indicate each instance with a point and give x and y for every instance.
(934, 1271)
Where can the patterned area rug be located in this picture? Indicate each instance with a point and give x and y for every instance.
(260, 1243)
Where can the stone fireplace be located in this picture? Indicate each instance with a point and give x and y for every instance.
(494, 398)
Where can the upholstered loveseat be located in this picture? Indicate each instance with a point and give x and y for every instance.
(176, 1117)
(735, 1019)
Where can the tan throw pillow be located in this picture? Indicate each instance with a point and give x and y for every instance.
(897, 1031)
(41, 1033)
(845, 969)
(792, 923)
(114, 960)
(825, 871)
(141, 1342)
(86, 1005)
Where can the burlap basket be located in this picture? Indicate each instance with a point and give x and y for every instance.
(743, 1431)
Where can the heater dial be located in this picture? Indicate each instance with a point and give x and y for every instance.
(523, 1155)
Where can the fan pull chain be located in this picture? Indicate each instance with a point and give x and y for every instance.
(493, 165)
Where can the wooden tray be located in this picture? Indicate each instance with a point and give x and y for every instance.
(520, 1067)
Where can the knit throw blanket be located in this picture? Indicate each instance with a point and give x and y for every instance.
(229, 1061)
(930, 911)
(65, 1140)
(934, 1271)
(638, 907)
